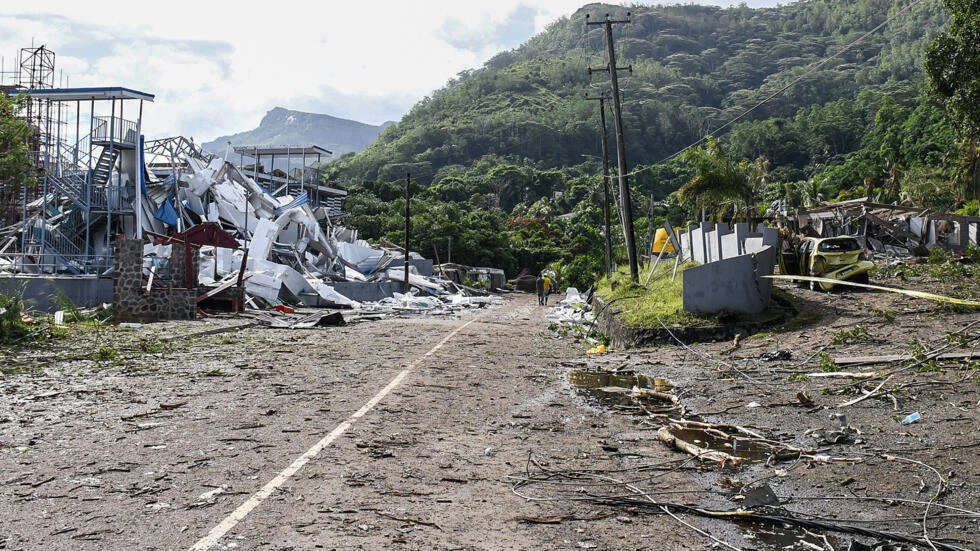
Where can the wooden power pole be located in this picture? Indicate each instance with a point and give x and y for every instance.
(605, 183)
(408, 223)
(624, 190)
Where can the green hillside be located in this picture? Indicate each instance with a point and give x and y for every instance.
(831, 95)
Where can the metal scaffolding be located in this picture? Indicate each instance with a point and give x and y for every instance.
(86, 153)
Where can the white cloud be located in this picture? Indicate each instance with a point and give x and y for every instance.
(217, 68)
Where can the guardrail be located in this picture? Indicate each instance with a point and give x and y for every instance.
(53, 263)
(119, 132)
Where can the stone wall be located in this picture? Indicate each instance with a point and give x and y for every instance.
(131, 302)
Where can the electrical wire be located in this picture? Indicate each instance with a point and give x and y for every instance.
(649, 503)
(962, 513)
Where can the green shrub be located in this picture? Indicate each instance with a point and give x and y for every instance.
(12, 326)
(855, 335)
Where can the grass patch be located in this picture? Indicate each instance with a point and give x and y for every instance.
(216, 372)
(106, 353)
(827, 363)
(886, 315)
(662, 300)
(13, 370)
(151, 345)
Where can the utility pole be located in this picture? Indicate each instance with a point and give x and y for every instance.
(624, 190)
(408, 221)
(605, 183)
(651, 231)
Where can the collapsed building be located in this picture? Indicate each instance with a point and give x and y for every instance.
(890, 230)
(269, 237)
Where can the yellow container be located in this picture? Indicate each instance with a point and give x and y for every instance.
(662, 242)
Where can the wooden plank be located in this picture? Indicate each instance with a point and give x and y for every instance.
(229, 281)
(889, 358)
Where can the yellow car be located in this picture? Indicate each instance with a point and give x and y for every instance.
(841, 258)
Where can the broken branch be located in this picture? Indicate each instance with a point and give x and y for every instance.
(409, 520)
(704, 454)
(868, 395)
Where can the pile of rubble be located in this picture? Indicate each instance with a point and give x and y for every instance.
(888, 230)
(292, 251)
(279, 248)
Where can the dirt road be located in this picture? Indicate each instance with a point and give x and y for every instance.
(459, 433)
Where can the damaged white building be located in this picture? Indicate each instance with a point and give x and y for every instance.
(100, 181)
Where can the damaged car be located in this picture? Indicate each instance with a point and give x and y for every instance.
(839, 258)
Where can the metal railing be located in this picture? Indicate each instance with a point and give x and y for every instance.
(79, 189)
(50, 262)
(119, 132)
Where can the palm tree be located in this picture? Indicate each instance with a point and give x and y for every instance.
(812, 192)
(756, 178)
(718, 182)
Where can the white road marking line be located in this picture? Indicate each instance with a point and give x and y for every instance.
(258, 497)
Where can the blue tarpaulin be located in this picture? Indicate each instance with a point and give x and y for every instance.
(167, 213)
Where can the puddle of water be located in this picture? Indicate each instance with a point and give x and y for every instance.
(748, 450)
(613, 389)
(785, 536)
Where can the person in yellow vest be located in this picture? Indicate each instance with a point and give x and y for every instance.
(547, 289)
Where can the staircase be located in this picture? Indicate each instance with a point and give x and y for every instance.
(103, 168)
(63, 240)
(64, 233)
(87, 188)
(79, 194)
(66, 255)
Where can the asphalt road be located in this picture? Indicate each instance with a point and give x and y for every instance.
(436, 433)
(398, 433)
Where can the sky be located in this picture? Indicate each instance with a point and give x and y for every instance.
(216, 68)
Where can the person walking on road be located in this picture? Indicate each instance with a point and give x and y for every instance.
(547, 289)
(539, 287)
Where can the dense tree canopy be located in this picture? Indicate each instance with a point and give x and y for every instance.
(953, 65)
(804, 103)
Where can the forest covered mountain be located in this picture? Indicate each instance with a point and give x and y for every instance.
(826, 99)
(694, 69)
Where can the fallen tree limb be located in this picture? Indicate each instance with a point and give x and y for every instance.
(704, 454)
(891, 358)
(700, 425)
(851, 374)
(654, 395)
(868, 395)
